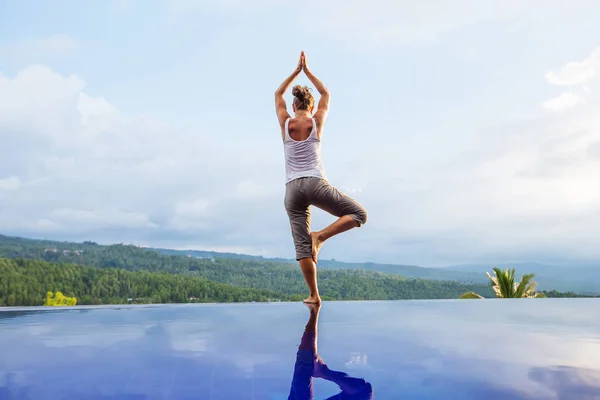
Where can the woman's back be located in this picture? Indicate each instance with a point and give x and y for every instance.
(300, 128)
(302, 149)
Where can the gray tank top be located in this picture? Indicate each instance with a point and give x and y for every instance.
(303, 157)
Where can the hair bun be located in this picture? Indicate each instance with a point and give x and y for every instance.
(304, 99)
(299, 92)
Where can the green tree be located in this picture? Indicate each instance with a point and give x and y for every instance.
(505, 286)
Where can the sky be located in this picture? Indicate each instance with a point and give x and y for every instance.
(470, 131)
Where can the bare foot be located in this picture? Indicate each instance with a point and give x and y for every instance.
(313, 300)
(316, 245)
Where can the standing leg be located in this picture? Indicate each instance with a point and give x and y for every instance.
(309, 270)
(298, 211)
(349, 212)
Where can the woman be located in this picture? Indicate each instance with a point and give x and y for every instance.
(306, 181)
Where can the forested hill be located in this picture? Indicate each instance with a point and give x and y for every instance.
(276, 277)
(584, 278)
(26, 282)
(408, 271)
(564, 279)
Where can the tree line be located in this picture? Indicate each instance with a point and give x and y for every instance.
(276, 277)
(27, 282)
(96, 274)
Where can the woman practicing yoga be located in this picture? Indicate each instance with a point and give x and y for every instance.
(306, 181)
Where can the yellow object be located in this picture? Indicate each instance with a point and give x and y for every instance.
(59, 299)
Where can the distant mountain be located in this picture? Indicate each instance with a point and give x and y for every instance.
(409, 271)
(583, 278)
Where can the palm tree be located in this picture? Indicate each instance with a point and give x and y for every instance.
(504, 285)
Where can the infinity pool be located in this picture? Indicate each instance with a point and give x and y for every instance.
(463, 349)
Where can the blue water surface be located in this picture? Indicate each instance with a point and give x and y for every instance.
(463, 349)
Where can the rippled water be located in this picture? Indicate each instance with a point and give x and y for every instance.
(464, 349)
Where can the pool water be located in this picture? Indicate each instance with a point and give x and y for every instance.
(457, 349)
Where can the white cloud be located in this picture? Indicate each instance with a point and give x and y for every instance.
(10, 183)
(507, 180)
(95, 110)
(37, 101)
(104, 218)
(576, 72)
(45, 225)
(87, 170)
(251, 189)
(191, 214)
(522, 190)
(83, 168)
(195, 208)
(564, 101)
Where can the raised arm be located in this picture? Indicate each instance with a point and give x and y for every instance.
(323, 107)
(280, 106)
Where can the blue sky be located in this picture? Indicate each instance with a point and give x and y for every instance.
(470, 132)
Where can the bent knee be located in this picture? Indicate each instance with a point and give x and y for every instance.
(361, 217)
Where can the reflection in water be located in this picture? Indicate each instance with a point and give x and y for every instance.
(310, 365)
(569, 382)
(5, 315)
(546, 350)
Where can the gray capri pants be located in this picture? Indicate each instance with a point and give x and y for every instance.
(301, 193)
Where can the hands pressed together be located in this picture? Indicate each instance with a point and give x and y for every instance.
(302, 66)
(301, 63)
